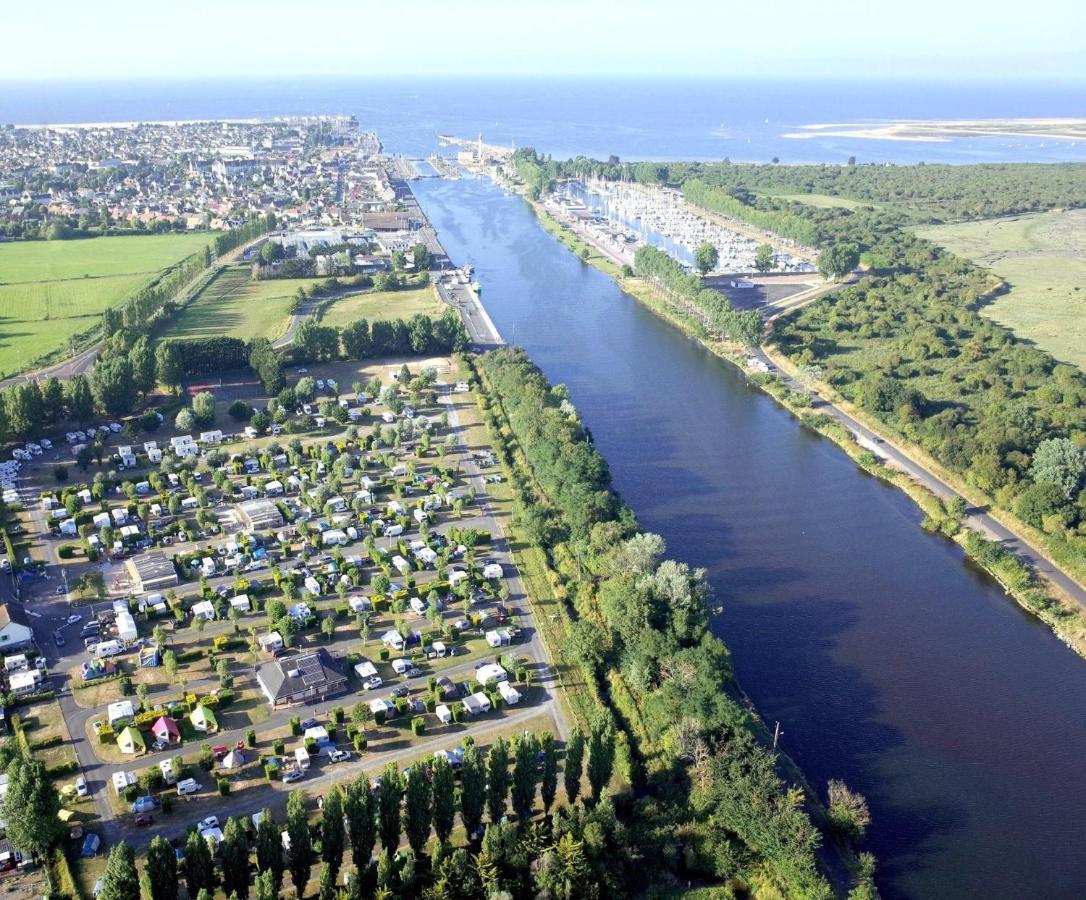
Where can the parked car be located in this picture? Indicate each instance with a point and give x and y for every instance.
(372, 684)
(293, 775)
(81, 788)
(401, 690)
(208, 822)
(145, 821)
(339, 755)
(309, 723)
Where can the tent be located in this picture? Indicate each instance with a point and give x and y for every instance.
(131, 741)
(203, 719)
(165, 729)
(235, 759)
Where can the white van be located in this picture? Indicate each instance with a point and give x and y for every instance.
(108, 648)
(188, 786)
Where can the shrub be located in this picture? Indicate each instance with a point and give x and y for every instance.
(337, 715)
(384, 654)
(295, 725)
(224, 787)
(279, 746)
(167, 803)
(418, 725)
(379, 717)
(270, 772)
(131, 793)
(250, 737)
(359, 742)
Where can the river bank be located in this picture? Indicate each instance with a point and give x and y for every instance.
(1038, 596)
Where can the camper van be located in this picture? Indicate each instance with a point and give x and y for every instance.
(108, 648)
(188, 786)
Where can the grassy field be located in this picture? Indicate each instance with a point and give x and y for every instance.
(824, 201)
(235, 305)
(375, 305)
(1043, 259)
(51, 291)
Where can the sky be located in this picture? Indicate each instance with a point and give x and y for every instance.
(824, 39)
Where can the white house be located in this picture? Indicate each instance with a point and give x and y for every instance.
(68, 528)
(154, 455)
(498, 637)
(476, 704)
(509, 693)
(273, 489)
(493, 570)
(393, 639)
(359, 604)
(241, 603)
(365, 669)
(120, 711)
(211, 437)
(205, 610)
(491, 672)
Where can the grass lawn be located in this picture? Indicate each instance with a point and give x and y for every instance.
(235, 305)
(51, 291)
(1043, 259)
(824, 201)
(376, 305)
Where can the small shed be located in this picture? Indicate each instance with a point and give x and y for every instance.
(203, 719)
(131, 741)
(165, 729)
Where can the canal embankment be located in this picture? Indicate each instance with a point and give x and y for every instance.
(1026, 573)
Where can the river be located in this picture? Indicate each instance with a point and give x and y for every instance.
(889, 660)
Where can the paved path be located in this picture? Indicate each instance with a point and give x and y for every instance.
(977, 518)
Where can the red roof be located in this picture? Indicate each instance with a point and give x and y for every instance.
(164, 725)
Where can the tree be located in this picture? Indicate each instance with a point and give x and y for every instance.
(706, 256)
(203, 408)
(333, 838)
(120, 880)
(79, 398)
(838, 260)
(418, 807)
(524, 776)
(300, 854)
(389, 798)
(31, 806)
(497, 779)
(113, 385)
(420, 254)
(574, 764)
(185, 420)
(1061, 462)
(141, 359)
(764, 258)
(306, 389)
(169, 367)
(361, 822)
(52, 400)
(269, 848)
(198, 865)
(472, 790)
(234, 857)
(265, 887)
(327, 882)
(240, 411)
(847, 811)
(161, 870)
(601, 758)
(549, 776)
(443, 785)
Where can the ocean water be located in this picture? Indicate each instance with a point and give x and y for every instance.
(630, 118)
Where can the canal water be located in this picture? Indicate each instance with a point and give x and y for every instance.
(889, 661)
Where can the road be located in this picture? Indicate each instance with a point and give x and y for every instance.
(482, 331)
(977, 518)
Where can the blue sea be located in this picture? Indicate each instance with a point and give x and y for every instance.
(629, 118)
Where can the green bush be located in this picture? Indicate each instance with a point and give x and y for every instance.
(379, 717)
(167, 803)
(250, 737)
(224, 787)
(270, 772)
(359, 742)
(418, 725)
(337, 715)
(279, 746)
(295, 725)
